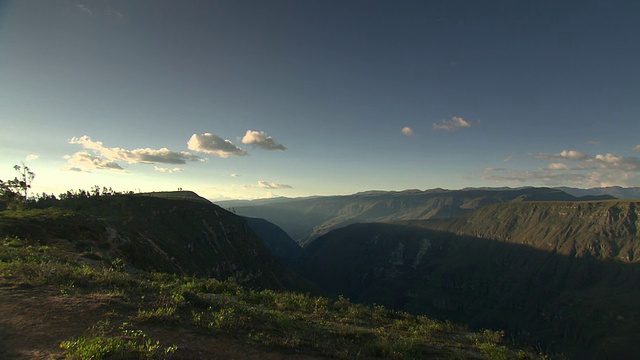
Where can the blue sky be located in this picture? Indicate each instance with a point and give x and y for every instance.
(252, 99)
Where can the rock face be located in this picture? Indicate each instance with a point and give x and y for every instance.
(305, 219)
(560, 275)
(172, 232)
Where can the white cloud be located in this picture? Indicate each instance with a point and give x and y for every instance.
(508, 158)
(559, 166)
(146, 156)
(268, 185)
(32, 157)
(167, 170)
(568, 155)
(84, 160)
(584, 170)
(593, 142)
(452, 124)
(115, 13)
(543, 176)
(74, 168)
(261, 140)
(636, 148)
(84, 8)
(611, 161)
(407, 131)
(214, 145)
(235, 175)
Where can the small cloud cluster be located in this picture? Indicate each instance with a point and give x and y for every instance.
(167, 170)
(146, 156)
(450, 125)
(32, 157)
(105, 158)
(99, 10)
(270, 185)
(569, 155)
(212, 144)
(261, 140)
(407, 131)
(574, 168)
(85, 162)
(84, 8)
(586, 162)
(97, 156)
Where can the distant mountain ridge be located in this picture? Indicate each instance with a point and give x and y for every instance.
(615, 191)
(305, 219)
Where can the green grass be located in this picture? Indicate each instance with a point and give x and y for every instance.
(283, 321)
(105, 342)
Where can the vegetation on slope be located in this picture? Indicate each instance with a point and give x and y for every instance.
(201, 309)
(562, 275)
(599, 229)
(180, 233)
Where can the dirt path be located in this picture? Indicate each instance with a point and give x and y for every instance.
(33, 322)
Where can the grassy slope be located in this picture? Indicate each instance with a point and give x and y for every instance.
(129, 312)
(599, 229)
(171, 232)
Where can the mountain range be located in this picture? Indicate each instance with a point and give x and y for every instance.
(555, 270)
(305, 219)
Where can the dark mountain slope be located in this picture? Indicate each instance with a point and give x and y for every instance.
(172, 232)
(522, 267)
(307, 218)
(281, 245)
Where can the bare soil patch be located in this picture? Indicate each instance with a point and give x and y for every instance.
(34, 321)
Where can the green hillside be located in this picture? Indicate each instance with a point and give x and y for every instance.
(599, 229)
(178, 233)
(148, 276)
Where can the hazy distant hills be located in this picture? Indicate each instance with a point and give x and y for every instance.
(563, 274)
(615, 191)
(304, 219)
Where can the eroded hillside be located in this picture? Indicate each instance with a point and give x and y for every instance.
(562, 275)
(601, 229)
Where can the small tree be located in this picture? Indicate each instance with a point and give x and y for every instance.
(8, 196)
(23, 182)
